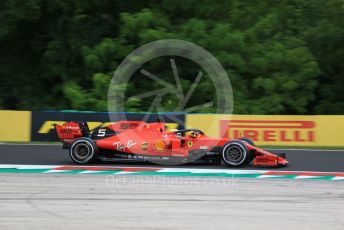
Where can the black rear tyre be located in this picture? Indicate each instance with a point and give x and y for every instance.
(83, 150)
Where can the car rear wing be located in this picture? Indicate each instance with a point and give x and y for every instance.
(71, 130)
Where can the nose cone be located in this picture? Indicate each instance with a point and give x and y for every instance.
(281, 161)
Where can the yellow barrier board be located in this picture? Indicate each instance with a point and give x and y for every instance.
(15, 125)
(274, 130)
(279, 130)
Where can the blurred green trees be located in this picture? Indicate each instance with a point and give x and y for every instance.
(283, 57)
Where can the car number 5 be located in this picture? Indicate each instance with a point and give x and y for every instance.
(101, 132)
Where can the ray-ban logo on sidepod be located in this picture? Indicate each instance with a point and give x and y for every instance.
(269, 130)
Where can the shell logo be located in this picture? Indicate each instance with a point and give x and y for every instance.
(160, 145)
(144, 146)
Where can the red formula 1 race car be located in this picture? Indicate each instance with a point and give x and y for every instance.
(141, 141)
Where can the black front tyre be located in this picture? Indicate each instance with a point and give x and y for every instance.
(83, 150)
(235, 154)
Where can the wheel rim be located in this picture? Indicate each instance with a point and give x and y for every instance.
(234, 155)
(82, 151)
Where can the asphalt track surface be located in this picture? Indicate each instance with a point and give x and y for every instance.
(54, 202)
(300, 160)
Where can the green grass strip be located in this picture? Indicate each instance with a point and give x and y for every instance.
(15, 170)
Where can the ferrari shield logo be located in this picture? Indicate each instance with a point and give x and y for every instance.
(144, 146)
(190, 144)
